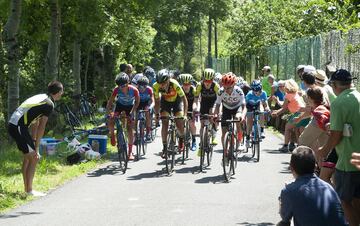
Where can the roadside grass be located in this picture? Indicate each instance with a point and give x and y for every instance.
(51, 172)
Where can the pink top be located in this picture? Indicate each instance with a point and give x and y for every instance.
(295, 102)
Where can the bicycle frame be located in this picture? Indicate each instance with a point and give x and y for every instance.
(206, 147)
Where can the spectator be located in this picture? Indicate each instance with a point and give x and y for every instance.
(279, 95)
(299, 72)
(266, 86)
(321, 80)
(129, 71)
(33, 113)
(344, 135)
(293, 102)
(123, 67)
(308, 200)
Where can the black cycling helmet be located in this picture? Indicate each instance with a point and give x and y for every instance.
(122, 79)
(162, 76)
(143, 81)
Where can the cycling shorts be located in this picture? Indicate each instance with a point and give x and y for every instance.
(228, 114)
(169, 107)
(123, 108)
(206, 106)
(143, 105)
(22, 138)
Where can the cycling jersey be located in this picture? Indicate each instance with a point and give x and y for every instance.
(145, 95)
(190, 96)
(171, 94)
(253, 101)
(232, 101)
(32, 109)
(207, 93)
(128, 98)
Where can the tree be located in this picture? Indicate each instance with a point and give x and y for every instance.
(52, 57)
(12, 54)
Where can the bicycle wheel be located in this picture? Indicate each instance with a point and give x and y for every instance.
(205, 142)
(170, 153)
(227, 152)
(122, 155)
(138, 145)
(210, 149)
(142, 139)
(257, 147)
(185, 153)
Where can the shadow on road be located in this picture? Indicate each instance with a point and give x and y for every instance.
(18, 214)
(256, 224)
(108, 170)
(186, 169)
(219, 179)
(155, 174)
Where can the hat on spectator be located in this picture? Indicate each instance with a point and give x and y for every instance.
(320, 77)
(299, 67)
(266, 68)
(341, 75)
(309, 68)
(271, 76)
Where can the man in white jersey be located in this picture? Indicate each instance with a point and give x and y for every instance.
(233, 101)
(33, 113)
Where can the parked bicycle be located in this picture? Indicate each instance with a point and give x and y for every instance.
(71, 119)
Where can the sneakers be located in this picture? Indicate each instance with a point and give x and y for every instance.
(113, 140)
(247, 143)
(292, 146)
(193, 146)
(213, 141)
(199, 153)
(262, 135)
(284, 149)
(131, 156)
(36, 193)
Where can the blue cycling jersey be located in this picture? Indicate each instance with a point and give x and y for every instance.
(128, 98)
(253, 100)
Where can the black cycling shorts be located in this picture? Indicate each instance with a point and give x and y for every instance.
(22, 138)
(228, 114)
(169, 107)
(123, 108)
(143, 105)
(206, 106)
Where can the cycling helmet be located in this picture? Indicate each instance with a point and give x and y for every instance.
(122, 79)
(176, 73)
(143, 81)
(162, 76)
(149, 72)
(185, 78)
(240, 81)
(218, 77)
(209, 74)
(228, 79)
(256, 86)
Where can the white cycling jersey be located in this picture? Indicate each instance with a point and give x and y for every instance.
(232, 101)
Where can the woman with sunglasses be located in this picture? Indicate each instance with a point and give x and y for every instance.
(207, 91)
(254, 99)
(233, 101)
(127, 100)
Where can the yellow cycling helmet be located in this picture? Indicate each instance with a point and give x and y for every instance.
(209, 74)
(185, 78)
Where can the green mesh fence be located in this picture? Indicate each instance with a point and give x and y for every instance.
(339, 49)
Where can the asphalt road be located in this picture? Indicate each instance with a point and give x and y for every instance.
(146, 196)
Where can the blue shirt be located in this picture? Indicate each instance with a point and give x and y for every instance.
(253, 101)
(311, 201)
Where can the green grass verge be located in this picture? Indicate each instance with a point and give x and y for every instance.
(51, 172)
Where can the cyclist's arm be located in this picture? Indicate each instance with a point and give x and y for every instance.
(110, 102)
(152, 102)
(137, 101)
(185, 102)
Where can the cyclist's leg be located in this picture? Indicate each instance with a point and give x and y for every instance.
(130, 130)
(165, 109)
(180, 125)
(226, 115)
(148, 123)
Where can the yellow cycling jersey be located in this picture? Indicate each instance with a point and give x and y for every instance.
(207, 93)
(174, 90)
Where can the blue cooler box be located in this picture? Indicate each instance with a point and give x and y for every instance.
(102, 142)
(48, 146)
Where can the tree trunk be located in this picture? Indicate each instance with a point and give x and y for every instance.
(52, 57)
(209, 61)
(12, 54)
(109, 67)
(86, 71)
(215, 38)
(188, 49)
(77, 66)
